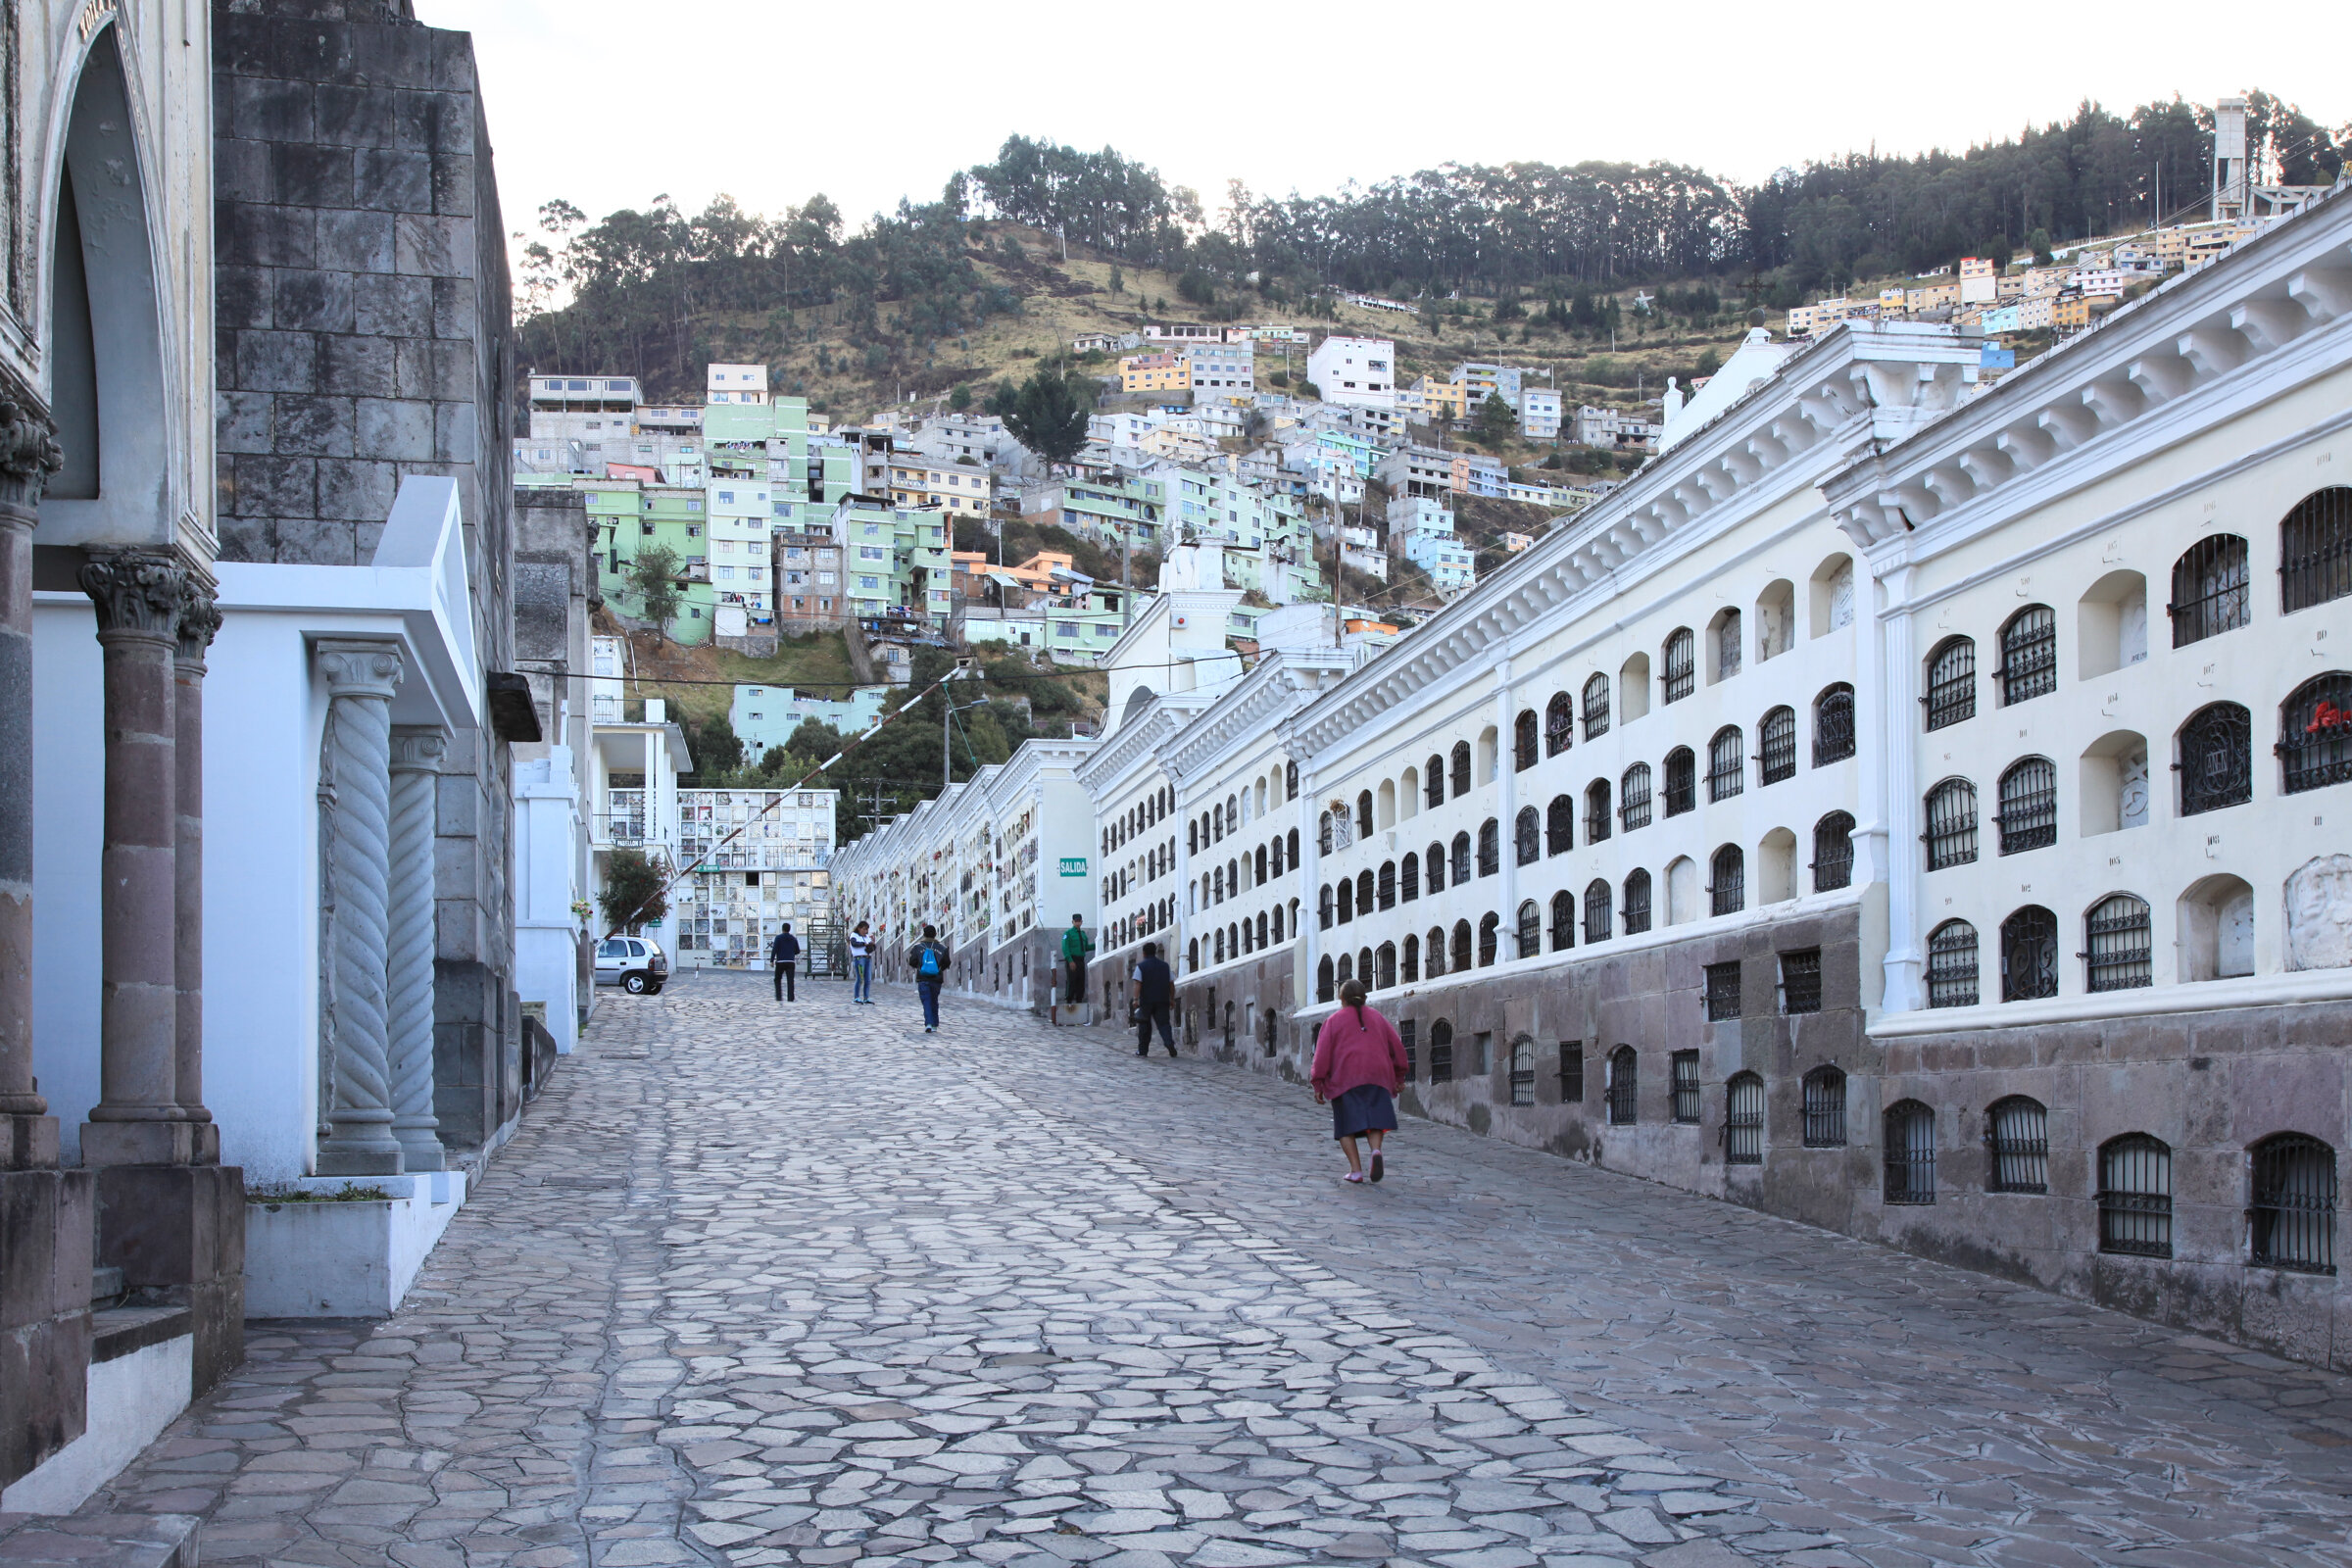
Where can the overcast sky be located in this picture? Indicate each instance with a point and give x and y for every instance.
(608, 102)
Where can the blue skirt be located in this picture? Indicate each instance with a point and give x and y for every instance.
(1366, 1108)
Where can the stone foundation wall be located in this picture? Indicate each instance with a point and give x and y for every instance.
(1227, 1015)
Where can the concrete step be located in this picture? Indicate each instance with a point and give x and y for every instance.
(98, 1540)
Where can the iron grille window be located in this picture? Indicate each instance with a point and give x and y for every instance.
(1682, 791)
(2029, 814)
(1433, 865)
(2315, 733)
(2119, 942)
(1323, 908)
(1489, 847)
(1596, 707)
(1633, 798)
(1528, 836)
(1833, 853)
(1683, 1064)
(1489, 938)
(1440, 1052)
(1524, 751)
(1744, 1120)
(1560, 725)
(1461, 768)
(2314, 549)
(1952, 966)
(2216, 759)
(1834, 725)
(1825, 1109)
(1951, 682)
(1346, 901)
(1559, 826)
(1433, 781)
(1723, 991)
(1572, 1072)
(2135, 1195)
(1776, 746)
(1461, 858)
(1461, 946)
(1564, 920)
(2029, 655)
(2029, 955)
(1624, 1098)
(1411, 965)
(1800, 981)
(2017, 1142)
(1681, 665)
(1727, 773)
(1522, 1071)
(1596, 912)
(1409, 878)
(1596, 811)
(1326, 986)
(2294, 1203)
(1727, 894)
(2211, 593)
(1636, 903)
(1910, 1153)
(1433, 954)
(1387, 887)
(1531, 929)
(1727, 645)
(1386, 959)
(1951, 835)
(1290, 781)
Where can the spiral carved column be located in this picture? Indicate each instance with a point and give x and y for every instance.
(415, 764)
(360, 679)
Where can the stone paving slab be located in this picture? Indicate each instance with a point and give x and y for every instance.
(758, 1285)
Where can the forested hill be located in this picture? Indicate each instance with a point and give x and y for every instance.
(907, 301)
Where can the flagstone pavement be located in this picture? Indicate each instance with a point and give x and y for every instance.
(758, 1283)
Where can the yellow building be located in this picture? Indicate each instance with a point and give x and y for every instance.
(1930, 297)
(948, 487)
(1448, 400)
(1155, 373)
(2069, 312)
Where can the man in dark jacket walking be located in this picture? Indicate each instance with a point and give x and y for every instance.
(782, 952)
(1154, 995)
(927, 960)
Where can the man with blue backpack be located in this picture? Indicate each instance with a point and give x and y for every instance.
(928, 960)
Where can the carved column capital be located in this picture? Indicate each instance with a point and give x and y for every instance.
(418, 750)
(199, 625)
(138, 594)
(29, 452)
(360, 668)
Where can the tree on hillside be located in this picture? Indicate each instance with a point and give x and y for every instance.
(1497, 423)
(1048, 413)
(654, 579)
(717, 750)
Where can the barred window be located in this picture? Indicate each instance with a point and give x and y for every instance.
(1834, 725)
(1346, 888)
(1385, 889)
(1825, 1109)
(1952, 966)
(1834, 853)
(1951, 835)
(2216, 759)
(1637, 904)
(1684, 1066)
(1624, 1096)
(1910, 1153)
(1433, 781)
(1596, 707)
(1522, 1071)
(1461, 858)
(1728, 892)
(1459, 960)
(2314, 549)
(1290, 781)
(1596, 811)
(1527, 837)
(2211, 589)
(2135, 1195)
(1951, 682)
(1433, 865)
(1682, 665)
(1346, 967)
(1440, 1052)
(1564, 920)
(1433, 952)
(1461, 768)
(1525, 751)
(1572, 1072)
(1489, 938)
(1385, 960)
(2017, 1143)
(1489, 847)
(1800, 981)
(1408, 877)
(1559, 826)
(1323, 833)
(2118, 944)
(2029, 814)
(1323, 907)
(1727, 644)
(1367, 890)
(1723, 991)
(1682, 789)
(1776, 745)
(1559, 724)
(1531, 929)
(2294, 1203)
(2029, 655)
(1633, 798)
(1597, 911)
(1744, 1120)
(2029, 955)
(1727, 764)
(1409, 962)
(1405, 1030)
(1326, 988)
(2315, 733)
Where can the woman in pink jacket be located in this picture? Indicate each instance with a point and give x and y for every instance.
(1359, 1067)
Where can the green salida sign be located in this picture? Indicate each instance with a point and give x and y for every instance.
(1073, 865)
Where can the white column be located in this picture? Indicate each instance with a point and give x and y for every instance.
(1310, 894)
(360, 677)
(1890, 809)
(416, 762)
(1506, 812)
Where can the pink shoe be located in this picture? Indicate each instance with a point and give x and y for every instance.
(1356, 1175)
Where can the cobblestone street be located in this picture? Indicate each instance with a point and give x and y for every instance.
(762, 1285)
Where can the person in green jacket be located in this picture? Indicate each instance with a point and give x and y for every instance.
(1074, 949)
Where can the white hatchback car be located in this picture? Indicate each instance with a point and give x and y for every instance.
(636, 965)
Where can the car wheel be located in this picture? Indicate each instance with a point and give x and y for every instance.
(655, 989)
(635, 985)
